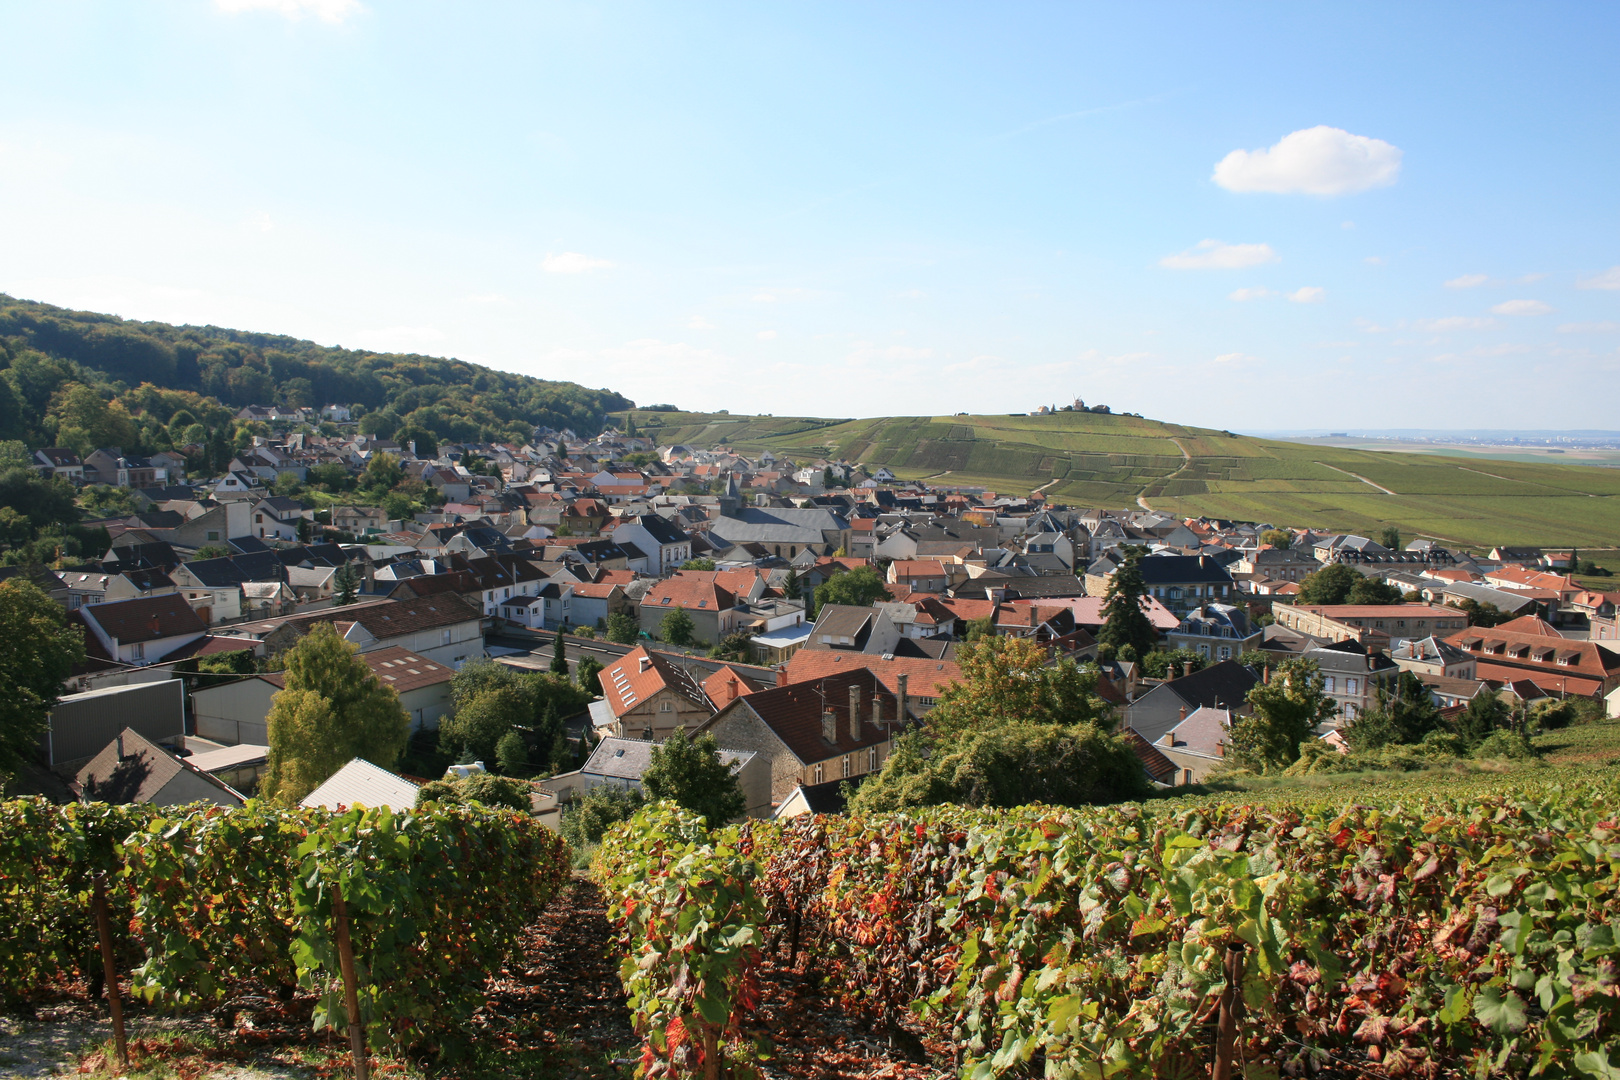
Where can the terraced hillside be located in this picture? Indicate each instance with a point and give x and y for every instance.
(1114, 461)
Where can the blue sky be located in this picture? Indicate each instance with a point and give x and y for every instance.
(855, 209)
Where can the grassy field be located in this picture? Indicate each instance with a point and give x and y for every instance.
(1112, 461)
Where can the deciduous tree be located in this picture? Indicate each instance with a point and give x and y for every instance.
(38, 649)
(1285, 711)
(677, 627)
(690, 772)
(332, 710)
(860, 587)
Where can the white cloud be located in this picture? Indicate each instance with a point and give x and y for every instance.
(1467, 281)
(1347, 225)
(772, 296)
(911, 294)
(332, 11)
(1255, 293)
(1528, 278)
(1606, 327)
(572, 262)
(1521, 307)
(1232, 358)
(698, 322)
(1218, 255)
(766, 335)
(1374, 260)
(1609, 279)
(1316, 161)
(487, 298)
(1308, 294)
(1453, 322)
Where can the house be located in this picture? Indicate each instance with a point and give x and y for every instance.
(786, 531)
(836, 728)
(919, 681)
(1224, 685)
(1522, 650)
(1434, 656)
(1197, 743)
(277, 518)
(359, 520)
(134, 769)
(213, 588)
(868, 630)
(646, 695)
(621, 763)
(712, 598)
(360, 783)
(443, 628)
(99, 587)
(144, 630)
(594, 601)
(1216, 632)
(59, 461)
(1277, 564)
(81, 725)
(1378, 624)
(550, 608)
(919, 575)
(664, 543)
(1352, 675)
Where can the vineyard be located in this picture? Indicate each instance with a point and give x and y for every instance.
(395, 920)
(1441, 935)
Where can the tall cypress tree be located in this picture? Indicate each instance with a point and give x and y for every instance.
(1124, 621)
(559, 657)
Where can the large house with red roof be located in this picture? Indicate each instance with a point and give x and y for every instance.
(1524, 649)
(645, 695)
(710, 597)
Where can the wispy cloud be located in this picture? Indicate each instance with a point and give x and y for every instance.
(1608, 326)
(1453, 322)
(766, 335)
(1467, 281)
(1609, 279)
(332, 11)
(1308, 294)
(1316, 161)
(572, 262)
(698, 322)
(1219, 255)
(1255, 293)
(1521, 307)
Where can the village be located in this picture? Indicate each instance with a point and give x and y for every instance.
(681, 583)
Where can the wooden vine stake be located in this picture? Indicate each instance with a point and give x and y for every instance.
(1230, 1006)
(109, 964)
(351, 985)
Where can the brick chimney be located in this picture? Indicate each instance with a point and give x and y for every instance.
(1186, 668)
(1033, 616)
(829, 725)
(646, 662)
(902, 707)
(855, 713)
(781, 675)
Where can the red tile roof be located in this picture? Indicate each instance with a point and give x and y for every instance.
(794, 713)
(147, 618)
(629, 682)
(925, 677)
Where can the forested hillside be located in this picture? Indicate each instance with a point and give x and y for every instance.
(155, 370)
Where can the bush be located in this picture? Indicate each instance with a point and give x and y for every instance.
(486, 788)
(1504, 745)
(589, 817)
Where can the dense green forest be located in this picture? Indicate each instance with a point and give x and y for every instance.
(147, 374)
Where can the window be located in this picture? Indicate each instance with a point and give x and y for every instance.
(444, 637)
(1352, 686)
(1349, 712)
(819, 776)
(1327, 684)
(213, 534)
(871, 759)
(846, 766)
(665, 707)
(1226, 652)
(137, 651)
